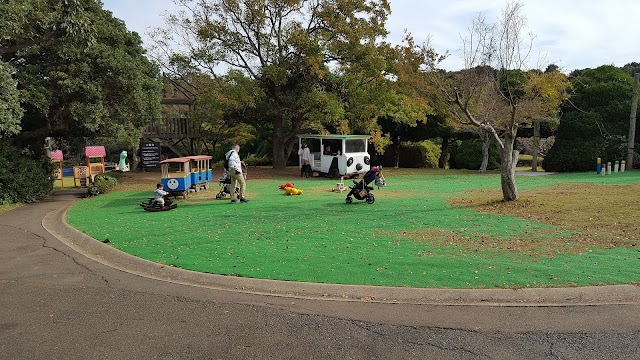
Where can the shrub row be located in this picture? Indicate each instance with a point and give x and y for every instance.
(23, 179)
(102, 184)
(423, 154)
(468, 155)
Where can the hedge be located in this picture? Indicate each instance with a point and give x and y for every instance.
(23, 179)
(423, 154)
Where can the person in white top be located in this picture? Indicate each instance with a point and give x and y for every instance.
(158, 194)
(305, 160)
(235, 171)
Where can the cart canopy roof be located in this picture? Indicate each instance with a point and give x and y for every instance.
(333, 136)
(199, 157)
(176, 160)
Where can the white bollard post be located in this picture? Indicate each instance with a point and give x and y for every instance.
(609, 168)
(623, 165)
(616, 166)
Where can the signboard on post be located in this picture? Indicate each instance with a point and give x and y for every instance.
(150, 154)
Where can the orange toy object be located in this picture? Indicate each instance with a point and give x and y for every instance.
(287, 185)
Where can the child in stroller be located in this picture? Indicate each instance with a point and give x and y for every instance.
(361, 190)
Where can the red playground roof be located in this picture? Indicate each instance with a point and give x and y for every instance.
(56, 155)
(94, 151)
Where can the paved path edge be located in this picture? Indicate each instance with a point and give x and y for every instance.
(55, 223)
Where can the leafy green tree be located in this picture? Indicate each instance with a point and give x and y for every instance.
(10, 110)
(28, 23)
(215, 102)
(317, 64)
(595, 123)
(78, 89)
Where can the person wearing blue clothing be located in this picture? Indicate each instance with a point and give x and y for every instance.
(235, 171)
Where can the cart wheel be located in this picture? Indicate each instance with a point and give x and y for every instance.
(370, 199)
(206, 185)
(349, 200)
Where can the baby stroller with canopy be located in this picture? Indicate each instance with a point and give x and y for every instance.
(225, 183)
(361, 190)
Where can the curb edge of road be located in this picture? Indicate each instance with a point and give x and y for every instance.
(55, 223)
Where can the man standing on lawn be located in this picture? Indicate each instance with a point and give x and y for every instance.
(235, 171)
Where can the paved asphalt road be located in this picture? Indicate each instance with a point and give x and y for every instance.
(57, 304)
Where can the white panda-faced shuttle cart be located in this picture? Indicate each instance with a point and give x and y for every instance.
(338, 155)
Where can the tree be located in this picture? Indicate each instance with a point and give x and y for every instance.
(216, 100)
(491, 92)
(79, 90)
(595, 123)
(546, 86)
(316, 63)
(10, 110)
(28, 23)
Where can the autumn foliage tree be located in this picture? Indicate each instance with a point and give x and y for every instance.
(316, 65)
(496, 93)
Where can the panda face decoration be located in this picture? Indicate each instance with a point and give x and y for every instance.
(172, 184)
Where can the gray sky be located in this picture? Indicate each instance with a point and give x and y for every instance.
(573, 34)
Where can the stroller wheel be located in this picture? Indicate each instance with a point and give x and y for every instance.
(219, 196)
(370, 198)
(349, 200)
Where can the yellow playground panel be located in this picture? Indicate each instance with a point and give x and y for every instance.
(80, 176)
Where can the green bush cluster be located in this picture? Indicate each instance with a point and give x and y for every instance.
(22, 179)
(258, 161)
(424, 154)
(468, 155)
(102, 184)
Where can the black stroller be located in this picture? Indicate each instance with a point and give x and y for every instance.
(361, 190)
(225, 187)
(225, 184)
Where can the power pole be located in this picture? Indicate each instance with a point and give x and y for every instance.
(632, 122)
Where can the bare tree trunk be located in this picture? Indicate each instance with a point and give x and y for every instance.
(536, 145)
(396, 156)
(509, 158)
(486, 143)
(444, 153)
(135, 157)
(279, 157)
(632, 122)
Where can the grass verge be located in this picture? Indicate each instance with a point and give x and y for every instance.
(426, 229)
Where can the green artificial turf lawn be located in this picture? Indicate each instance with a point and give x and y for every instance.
(316, 237)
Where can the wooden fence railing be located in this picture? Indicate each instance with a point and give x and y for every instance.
(171, 128)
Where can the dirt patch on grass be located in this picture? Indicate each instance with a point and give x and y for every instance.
(543, 243)
(599, 216)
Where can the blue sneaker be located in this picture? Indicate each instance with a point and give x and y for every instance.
(234, 201)
(244, 200)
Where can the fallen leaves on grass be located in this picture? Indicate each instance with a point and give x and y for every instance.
(599, 216)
